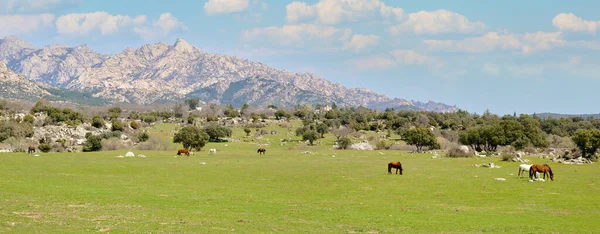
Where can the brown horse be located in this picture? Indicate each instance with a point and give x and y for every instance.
(396, 165)
(541, 168)
(261, 151)
(31, 150)
(183, 151)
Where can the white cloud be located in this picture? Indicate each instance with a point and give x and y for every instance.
(22, 24)
(524, 43)
(299, 35)
(86, 23)
(337, 11)
(436, 22)
(34, 5)
(360, 42)
(491, 69)
(372, 63)
(215, 7)
(395, 58)
(570, 22)
(165, 24)
(411, 57)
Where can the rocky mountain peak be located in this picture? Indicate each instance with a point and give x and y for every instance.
(3, 66)
(183, 46)
(16, 42)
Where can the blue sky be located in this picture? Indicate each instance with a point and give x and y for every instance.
(524, 56)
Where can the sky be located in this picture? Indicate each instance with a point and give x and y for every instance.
(503, 56)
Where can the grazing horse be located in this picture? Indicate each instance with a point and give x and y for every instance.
(396, 165)
(525, 168)
(212, 151)
(261, 151)
(535, 168)
(183, 151)
(31, 150)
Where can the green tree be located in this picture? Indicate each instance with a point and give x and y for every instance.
(344, 143)
(420, 137)
(114, 112)
(247, 131)
(588, 142)
(281, 114)
(322, 128)
(191, 137)
(192, 103)
(143, 137)
(311, 136)
(93, 143)
(216, 131)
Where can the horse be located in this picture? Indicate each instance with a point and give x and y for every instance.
(396, 165)
(212, 151)
(183, 151)
(261, 151)
(31, 150)
(525, 168)
(535, 168)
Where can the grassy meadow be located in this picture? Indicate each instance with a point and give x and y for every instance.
(287, 191)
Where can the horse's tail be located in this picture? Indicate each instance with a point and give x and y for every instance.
(400, 166)
(531, 172)
(390, 168)
(519, 174)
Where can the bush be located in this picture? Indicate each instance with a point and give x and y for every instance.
(28, 119)
(114, 144)
(457, 153)
(93, 143)
(344, 143)
(247, 131)
(142, 137)
(134, 124)
(154, 144)
(115, 134)
(507, 157)
(46, 147)
(117, 126)
(382, 145)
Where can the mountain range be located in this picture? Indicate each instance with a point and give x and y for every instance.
(168, 73)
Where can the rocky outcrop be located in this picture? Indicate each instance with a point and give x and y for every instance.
(13, 86)
(163, 72)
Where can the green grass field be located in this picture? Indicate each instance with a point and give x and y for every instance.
(286, 191)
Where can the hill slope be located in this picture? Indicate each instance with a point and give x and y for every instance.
(163, 72)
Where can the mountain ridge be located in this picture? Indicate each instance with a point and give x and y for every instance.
(175, 72)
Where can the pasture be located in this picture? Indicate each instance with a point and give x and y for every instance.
(286, 191)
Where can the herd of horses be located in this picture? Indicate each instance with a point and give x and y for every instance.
(187, 152)
(533, 169)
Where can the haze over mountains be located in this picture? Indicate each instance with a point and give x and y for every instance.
(163, 73)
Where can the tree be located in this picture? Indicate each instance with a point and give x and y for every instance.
(93, 143)
(134, 124)
(341, 132)
(311, 136)
(247, 131)
(98, 122)
(114, 112)
(215, 131)
(191, 137)
(192, 103)
(322, 128)
(281, 113)
(588, 142)
(420, 137)
(344, 143)
(143, 137)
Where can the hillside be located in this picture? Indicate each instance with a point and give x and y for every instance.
(163, 72)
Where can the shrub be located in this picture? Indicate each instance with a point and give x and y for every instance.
(28, 119)
(117, 126)
(344, 143)
(154, 144)
(46, 147)
(382, 145)
(403, 146)
(506, 157)
(142, 137)
(247, 131)
(457, 153)
(134, 124)
(93, 143)
(114, 144)
(115, 134)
